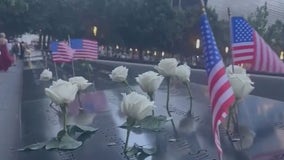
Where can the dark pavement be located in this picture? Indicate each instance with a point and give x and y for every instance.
(39, 122)
(10, 111)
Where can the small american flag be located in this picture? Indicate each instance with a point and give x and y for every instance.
(61, 52)
(85, 49)
(249, 48)
(220, 91)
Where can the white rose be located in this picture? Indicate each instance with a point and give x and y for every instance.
(183, 72)
(167, 67)
(62, 92)
(81, 82)
(46, 75)
(60, 81)
(240, 82)
(136, 106)
(119, 74)
(149, 81)
(237, 70)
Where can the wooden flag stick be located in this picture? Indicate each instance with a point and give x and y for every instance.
(230, 39)
(73, 69)
(55, 68)
(203, 8)
(72, 63)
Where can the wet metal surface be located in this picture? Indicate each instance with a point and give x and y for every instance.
(263, 116)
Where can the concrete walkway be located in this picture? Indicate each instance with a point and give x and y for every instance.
(10, 105)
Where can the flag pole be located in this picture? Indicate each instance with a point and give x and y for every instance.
(203, 6)
(230, 39)
(73, 69)
(55, 68)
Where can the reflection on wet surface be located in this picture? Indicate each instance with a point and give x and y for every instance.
(262, 122)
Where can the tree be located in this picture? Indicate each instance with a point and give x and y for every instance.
(275, 36)
(13, 16)
(258, 19)
(146, 24)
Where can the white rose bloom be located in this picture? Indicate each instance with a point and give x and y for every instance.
(62, 92)
(237, 70)
(81, 82)
(136, 106)
(46, 75)
(240, 82)
(60, 81)
(149, 81)
(167, 67)
(183, 72)
(119, 74)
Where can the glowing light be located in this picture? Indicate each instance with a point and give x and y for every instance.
(282, 55)
(163, 53)
(148, 52)
(117, 47)
(226, 49)
(136, 50)
(130, 49)
(95, 29)
(155, 53)
(197, 45)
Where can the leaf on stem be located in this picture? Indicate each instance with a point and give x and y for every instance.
(52, 144)
(139, 152)
(153, 123)
(78, 128)
(33, 147)
(68, 143)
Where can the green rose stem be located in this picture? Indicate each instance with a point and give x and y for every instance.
(233, 118)
(79, 100)
(190, 97)
(151, 99)
(90, 71)
(52, 107)
(63, 108)
(130, 123)
(168, 100)
(128, 86)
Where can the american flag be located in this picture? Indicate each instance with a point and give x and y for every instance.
(248, 47)
(61, 52)
(84, 49)
(220, 91)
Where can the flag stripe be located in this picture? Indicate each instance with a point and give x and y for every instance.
(244, 50)
(243, 58)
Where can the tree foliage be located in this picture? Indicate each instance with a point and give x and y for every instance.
(275, 36)
(12, 16)
(143, 24)
(259, 20)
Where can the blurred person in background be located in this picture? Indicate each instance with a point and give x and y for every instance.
(5, 59)
(22, 50)
(15, 50)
